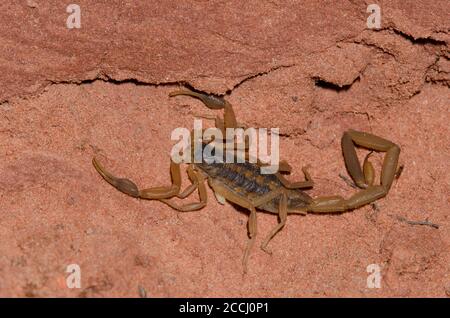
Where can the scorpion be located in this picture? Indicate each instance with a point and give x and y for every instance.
(244, 185)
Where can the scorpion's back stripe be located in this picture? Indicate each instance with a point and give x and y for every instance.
(241, 177)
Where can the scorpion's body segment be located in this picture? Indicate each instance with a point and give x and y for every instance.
(247, 181)
(244, 184)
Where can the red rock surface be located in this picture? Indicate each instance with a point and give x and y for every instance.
(311, 68)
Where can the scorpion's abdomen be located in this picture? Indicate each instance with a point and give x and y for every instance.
(244, 179)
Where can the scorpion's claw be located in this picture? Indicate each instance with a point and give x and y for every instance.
(211, 101)
(124, 185)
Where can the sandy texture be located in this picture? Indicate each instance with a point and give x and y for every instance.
(313, 69)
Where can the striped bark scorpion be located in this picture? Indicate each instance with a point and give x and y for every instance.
(244, 185)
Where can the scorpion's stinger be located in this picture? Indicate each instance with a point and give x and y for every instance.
(376, 143)
(368, 170)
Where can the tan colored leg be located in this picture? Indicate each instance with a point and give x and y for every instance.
(284, 167)
(283, 216)
(199, 180)
(362, 179)
(252, 230)
(247, 204)
(308, 183)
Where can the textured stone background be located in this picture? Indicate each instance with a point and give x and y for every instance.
(311, 68)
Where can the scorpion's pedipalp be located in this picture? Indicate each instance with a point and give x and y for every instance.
(199, 181)
(211, 101)
(165, 192)
(124, 185)
(129, 187)
(194, 183)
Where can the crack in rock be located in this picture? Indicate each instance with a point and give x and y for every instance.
(102, 76)
(253, 76)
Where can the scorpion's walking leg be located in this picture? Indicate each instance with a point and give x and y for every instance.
(308, 183)
(251, 206)
(283, 211)
(362, 177)
(252, 229)
(284, 167)
(129, 187)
